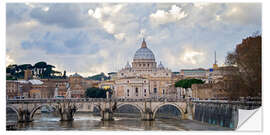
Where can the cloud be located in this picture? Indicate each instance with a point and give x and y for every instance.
(163, 17)
(243, 14)
(94, 38)
(63, 15)
(192, 56)
(9, 60)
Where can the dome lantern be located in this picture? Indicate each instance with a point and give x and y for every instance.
(144, 53)
(143, 44)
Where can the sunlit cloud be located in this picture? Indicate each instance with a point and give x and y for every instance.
(9, 60)
(192, 56)
(163, 17)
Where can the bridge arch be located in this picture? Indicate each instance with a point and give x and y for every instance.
(175, 105)
(38, 107)
(97, 108)
(15, 110)
(134, 105)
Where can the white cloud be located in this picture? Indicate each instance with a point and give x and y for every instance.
(46, 9)
(243, 13)
(163, 17)
(192, 56)
(120, 36)
(9, 60)
(30, 5)
(103, 15)
(108, 26)
(201, 5)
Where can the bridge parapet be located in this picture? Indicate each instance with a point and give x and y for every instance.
(57, 100)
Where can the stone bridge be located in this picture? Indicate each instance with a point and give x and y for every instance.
(224, 113)
(26, 108)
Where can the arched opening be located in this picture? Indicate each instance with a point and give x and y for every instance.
(11, 115)
(128, 110)
(44, 113)
(96, 111)
(168, 111)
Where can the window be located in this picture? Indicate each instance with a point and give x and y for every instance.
(128, 92)
(163, 91)
(144, 65)
(144, 90)
(155, 90)
(136, 91)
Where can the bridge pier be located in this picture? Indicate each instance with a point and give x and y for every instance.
(147, 115)
(66, 111)
(107, 115)
(24, 115)
(189, 113)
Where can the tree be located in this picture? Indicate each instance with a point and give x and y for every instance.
(42, 69)
(99, 77)
(95, 93)
(247, 58)
(186, 83)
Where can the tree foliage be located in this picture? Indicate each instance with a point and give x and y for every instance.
(99, 77)
(42, 69)
(247, 57)
(186, 83)
(96, 93)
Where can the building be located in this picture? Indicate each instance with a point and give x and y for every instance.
(144, 78)
(217, 74)
(209, 91)
(27, 74)
(12, 88)
(112, 75)
(78, 85)
(108, 84)
(52, 84)
(198, 73)
(38, 89)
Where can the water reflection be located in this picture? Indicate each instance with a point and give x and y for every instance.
(88, 121)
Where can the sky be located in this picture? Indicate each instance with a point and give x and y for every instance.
(101, 37)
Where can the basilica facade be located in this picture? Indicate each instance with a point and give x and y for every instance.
(143, 78)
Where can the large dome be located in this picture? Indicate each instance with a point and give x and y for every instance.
(144, 52)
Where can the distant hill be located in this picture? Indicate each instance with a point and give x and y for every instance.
(98, 77)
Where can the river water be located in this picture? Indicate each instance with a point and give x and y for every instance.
(91, 122)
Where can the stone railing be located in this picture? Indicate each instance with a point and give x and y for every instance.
(57, 100)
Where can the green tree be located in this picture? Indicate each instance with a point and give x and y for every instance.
(186, 83)
(95, 93)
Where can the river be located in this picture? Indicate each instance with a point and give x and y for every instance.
(91, 122)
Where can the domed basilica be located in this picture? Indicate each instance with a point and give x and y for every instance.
(144, 79)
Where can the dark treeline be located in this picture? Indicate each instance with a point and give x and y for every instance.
(40, 69)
